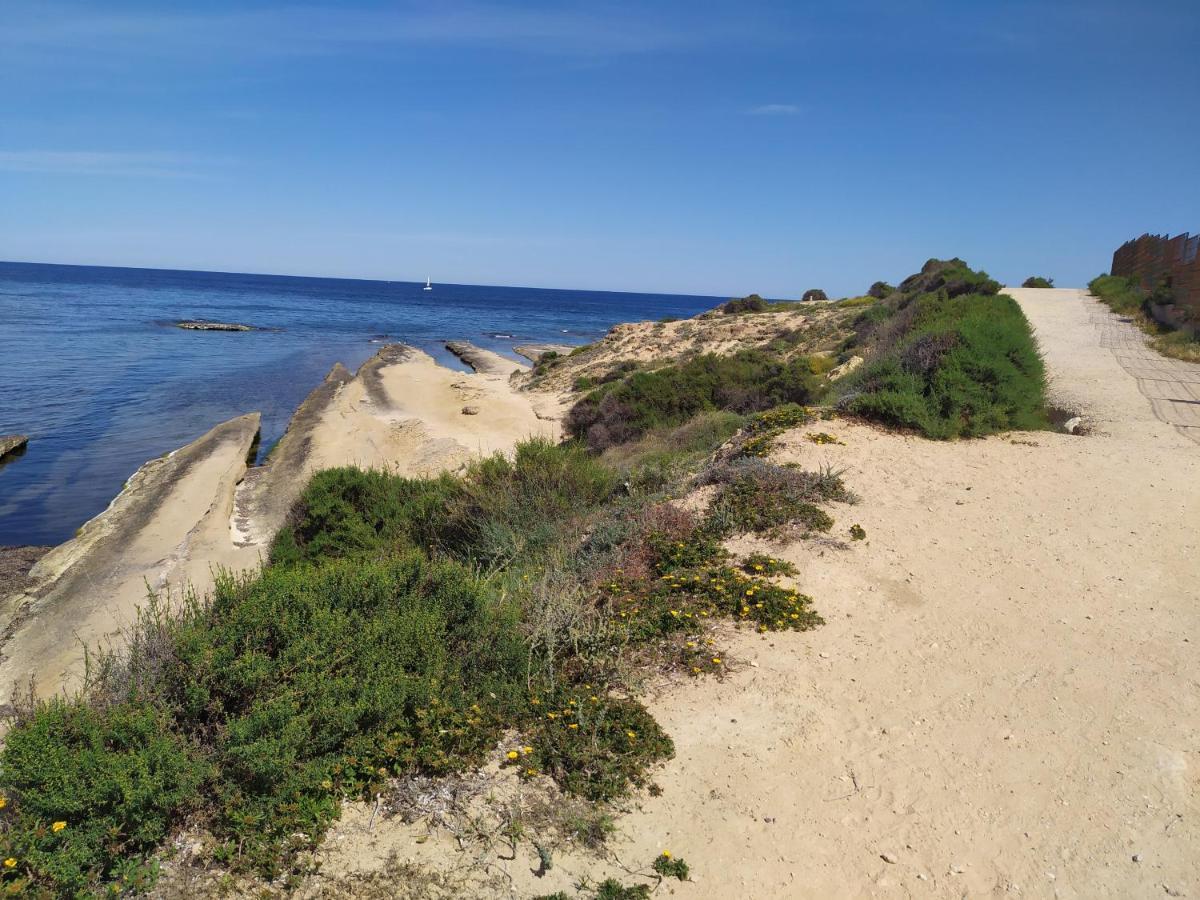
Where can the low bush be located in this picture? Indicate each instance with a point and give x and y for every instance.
(661, 457)
(856, 302)
(746, 381)
(764, 428)
(670, 866)
(753, 303)
(1120, 294)
(814, 295)
(93, 792)
(948, 363)
(950, 276)
(880, 289)
(499, 509)
(760, 497)
(1037, 281)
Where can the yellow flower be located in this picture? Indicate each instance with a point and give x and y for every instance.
(666, 854)
(3, 801)
(526, 750)
(58, 826)
(716, 660)
(632, 735)
(573, 726)
(513, 754)
(10, 863)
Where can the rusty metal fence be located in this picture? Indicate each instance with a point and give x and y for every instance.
(1171, 261)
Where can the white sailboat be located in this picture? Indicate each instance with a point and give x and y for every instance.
(428, 283)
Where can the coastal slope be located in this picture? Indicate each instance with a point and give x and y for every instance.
(1000, 701)
(200, 508)
(166, 530)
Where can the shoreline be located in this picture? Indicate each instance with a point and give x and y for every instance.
(208, 507)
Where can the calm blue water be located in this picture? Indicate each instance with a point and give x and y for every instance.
(91, 373)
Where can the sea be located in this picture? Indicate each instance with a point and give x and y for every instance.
(94, 371)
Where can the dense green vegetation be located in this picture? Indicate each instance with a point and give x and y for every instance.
(752, 303)
(1037, 281)
(958, 366)
(403, 627)
(947, 356)
(1122, 295)
(747, 381)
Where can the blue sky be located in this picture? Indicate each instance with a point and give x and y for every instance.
(693, 147)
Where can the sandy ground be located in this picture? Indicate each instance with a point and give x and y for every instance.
(410, 417)
(1004, 700)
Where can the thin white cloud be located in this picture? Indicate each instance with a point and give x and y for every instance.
(774, 109)
(300, 29)
(107, 164)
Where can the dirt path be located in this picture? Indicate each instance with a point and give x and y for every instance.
(1005, 699)
(1074, 326)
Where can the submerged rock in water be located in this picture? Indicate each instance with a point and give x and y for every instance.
(201, 325)
(12, 444)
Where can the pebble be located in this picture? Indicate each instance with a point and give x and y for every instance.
(888, 857)
(824, 655)
(1137, 857)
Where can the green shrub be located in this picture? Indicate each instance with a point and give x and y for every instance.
(500, 509)
(611, 889)
(814, 295)
(670, 866)
(753, 303)
(594, 745)
(764, 428)
(953, 366)
(746, 381)
(856, 302)
(761, 497)
(879, 290)
(1122, 295)
(114, 778)
(1037, 281)
(767, 566)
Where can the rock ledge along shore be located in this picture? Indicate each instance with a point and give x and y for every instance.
(167, 530)
(12, 445)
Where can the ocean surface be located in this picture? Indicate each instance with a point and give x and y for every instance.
(92, 369)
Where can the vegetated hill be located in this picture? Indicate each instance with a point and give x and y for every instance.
(791, 329)
(945, 353)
